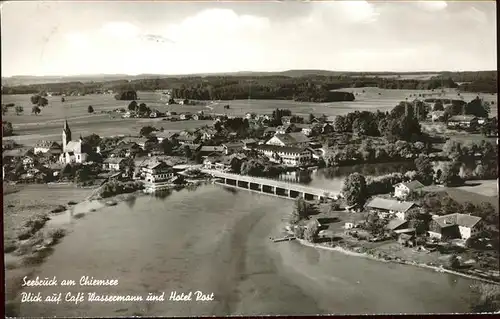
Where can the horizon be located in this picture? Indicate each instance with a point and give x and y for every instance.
(235, 72)
(172, 38)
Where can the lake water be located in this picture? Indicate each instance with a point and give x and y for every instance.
(333, 177)
(216, 240)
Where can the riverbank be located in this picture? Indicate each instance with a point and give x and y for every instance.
(350, 252)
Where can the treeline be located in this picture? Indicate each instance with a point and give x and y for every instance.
(305, 88)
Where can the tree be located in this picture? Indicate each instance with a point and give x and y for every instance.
(126, 95)
(5, 109)
(93, 140)
(35, 98)
(143, 109)
(311, 231)
(62, 99)
(19, 109)
(301, 211)
(453, 262)
(7, 128)
(311, 117)
(42, 102)
(438, 106)
(477, 107)
(147, 130)
(35, 110)
(90, 109)
(132, 106)
(468, 208)
(166, 146)
(187, 152)
(450, 175)
(354, 189)
(425, 171)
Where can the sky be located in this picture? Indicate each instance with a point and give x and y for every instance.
(167, 37)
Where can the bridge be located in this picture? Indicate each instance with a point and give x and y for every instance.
(272, 187)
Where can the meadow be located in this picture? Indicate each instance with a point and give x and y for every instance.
(30, 128)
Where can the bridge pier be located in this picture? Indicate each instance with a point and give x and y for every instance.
(243, 184)
(268, 189)
(255, 187)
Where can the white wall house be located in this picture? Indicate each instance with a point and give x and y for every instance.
(289, 156)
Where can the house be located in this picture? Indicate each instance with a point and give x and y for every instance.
(113, 164)
(187, 138)
(210, 161)
(249, 143)
(193, 147)
(286, 155)
(390, 207)
(436, 115)
(28, 162)
(286, 128)
(269, 131)
(45, 146)
(402, 190)
(166, 135)
(208, 133)
(206, 149)
(230, 148)
(291, 139)
(326, 128)
(125, 150)
(462, 121)
(250, 116)
(455, 226)
(396, 224)
(157, 172)
(141, 141)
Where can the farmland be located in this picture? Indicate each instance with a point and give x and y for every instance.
(30, 128)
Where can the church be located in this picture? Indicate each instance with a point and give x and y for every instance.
(71, 150)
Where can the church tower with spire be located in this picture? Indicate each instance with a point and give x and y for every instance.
(66, 135)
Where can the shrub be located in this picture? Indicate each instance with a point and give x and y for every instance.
(311, 231)
(453, 262)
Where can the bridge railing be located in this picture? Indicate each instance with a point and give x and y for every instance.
(277, 183)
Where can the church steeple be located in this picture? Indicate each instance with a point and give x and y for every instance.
(66, 135)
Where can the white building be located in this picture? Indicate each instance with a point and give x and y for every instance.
(71, 150)
(402, 190)
(45, 146)
(454, 225)
(289, 139)
(289, 156)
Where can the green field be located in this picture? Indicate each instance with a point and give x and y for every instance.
(30, 128)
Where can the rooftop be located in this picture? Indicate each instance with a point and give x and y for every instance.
(389, 204)
(457, 219)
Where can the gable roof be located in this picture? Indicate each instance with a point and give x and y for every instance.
(292, 138)
(233, 145)
(461, 118)
(114, 160)
(395, 223)
(457, 220)
(207, 148)
(74, 146)
(389, 204)
(166, 134)
(46, 144)
(413, 185)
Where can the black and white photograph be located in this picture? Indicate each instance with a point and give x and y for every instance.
(249, 158)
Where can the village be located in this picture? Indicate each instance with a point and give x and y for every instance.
(266, 145)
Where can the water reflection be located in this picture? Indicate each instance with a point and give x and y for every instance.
(162, 194)
(130, 201)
